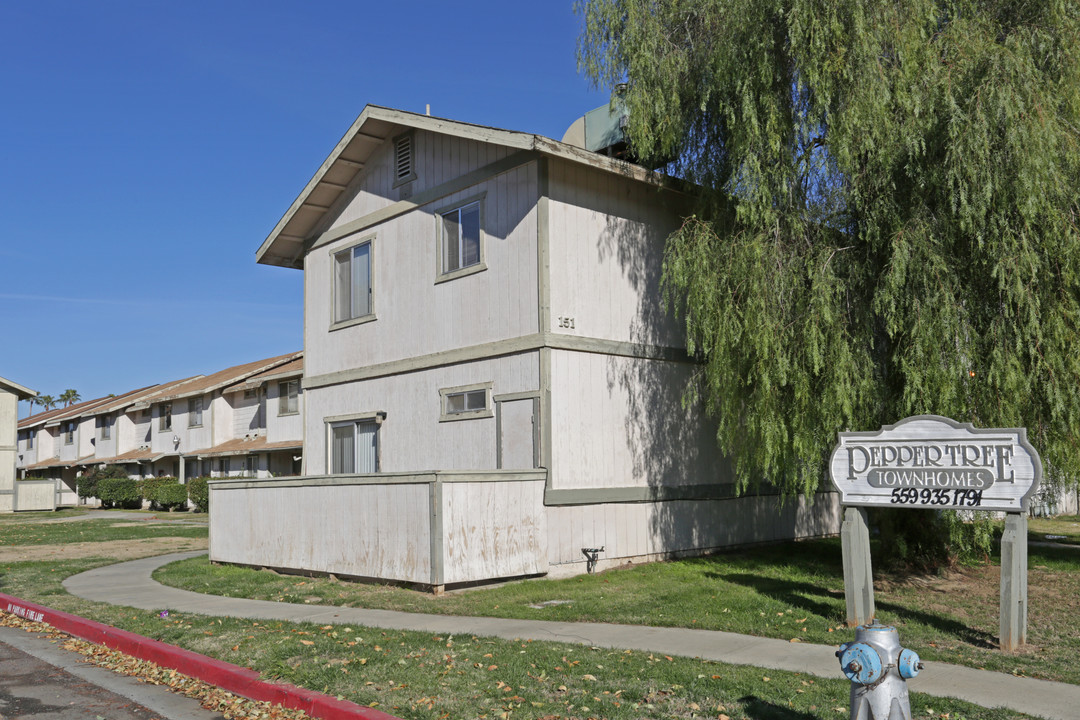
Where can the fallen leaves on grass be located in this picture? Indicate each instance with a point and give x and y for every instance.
(232, 707)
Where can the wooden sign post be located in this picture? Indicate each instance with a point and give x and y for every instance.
(928, 461)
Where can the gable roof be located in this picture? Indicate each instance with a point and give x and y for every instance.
(288, 241)
(23, 393)
(215, 381)
(55, 416)
(291, 369)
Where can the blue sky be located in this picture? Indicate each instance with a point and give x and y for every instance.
(149, 147)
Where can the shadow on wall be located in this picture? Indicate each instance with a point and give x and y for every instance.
(670, 439)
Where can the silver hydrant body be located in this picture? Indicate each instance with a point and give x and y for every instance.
(878, 669)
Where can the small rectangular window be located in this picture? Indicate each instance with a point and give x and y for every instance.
(460, 237)
(165, 417)
(195, 412)
(69, 433)
(352, 283)
(466, 402)
(288, 397)
(30, 439)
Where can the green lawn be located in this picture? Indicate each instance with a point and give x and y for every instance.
(102, 530)
(785, 591)
(416, 675)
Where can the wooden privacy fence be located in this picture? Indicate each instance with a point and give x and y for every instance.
(433, 528)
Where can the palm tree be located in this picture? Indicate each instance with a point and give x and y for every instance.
(48, 402)
(69, 396)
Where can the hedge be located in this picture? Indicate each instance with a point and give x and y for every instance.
(199, 493)
(119, 492)
(170, 496)
(87, 484)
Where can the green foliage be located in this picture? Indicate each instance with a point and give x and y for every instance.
(163, 492)
(87, 484)
(925, 540)
(887, 221)
(119, 492)
(199, 494)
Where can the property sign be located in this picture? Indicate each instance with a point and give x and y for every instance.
(928, 461)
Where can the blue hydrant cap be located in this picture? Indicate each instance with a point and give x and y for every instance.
(908, 664)
(860, 663)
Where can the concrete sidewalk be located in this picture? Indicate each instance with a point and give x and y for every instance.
(130, 584)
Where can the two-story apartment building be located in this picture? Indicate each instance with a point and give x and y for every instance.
(10, 395)
(213, 425)
(492, 387)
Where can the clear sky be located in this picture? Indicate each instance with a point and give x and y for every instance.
(149, 147)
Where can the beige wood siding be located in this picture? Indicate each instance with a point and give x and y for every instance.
(415, 315)
(607, 247)
(437, 159)
(493, 530)
(620, 422)
(651, 531)
(378, 531)
(412, 438)
(488, 525)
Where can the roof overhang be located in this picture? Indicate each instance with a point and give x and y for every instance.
(23, 393)
(323, 198)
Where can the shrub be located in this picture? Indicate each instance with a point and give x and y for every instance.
(119, 492)
(199, 493)
(170, 496)
(87, 483)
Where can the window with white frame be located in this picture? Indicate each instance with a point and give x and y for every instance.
(354, 447)
(352, 283)
(466, 402)
(288, 397)
(165, 417)
(460, 238)
(69, 433)
(195, 411)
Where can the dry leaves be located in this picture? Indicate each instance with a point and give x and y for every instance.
(233, 707)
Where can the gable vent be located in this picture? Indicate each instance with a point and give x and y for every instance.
(403, 158)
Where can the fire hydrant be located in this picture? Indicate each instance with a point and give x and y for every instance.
(878, 669)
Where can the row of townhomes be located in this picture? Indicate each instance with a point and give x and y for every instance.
(492, 387)
(244, 421)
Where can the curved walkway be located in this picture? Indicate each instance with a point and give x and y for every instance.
(130, 584)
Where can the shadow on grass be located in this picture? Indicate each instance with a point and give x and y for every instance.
(800, 594)
(758, 709)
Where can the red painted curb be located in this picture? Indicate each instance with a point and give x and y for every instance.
(235, 679)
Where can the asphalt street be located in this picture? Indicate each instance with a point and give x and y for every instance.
(39, 680)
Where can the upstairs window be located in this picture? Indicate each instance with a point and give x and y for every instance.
(352, 283)
(104, 425)
(460, 241)
(165, 417)
(69, 433)
(30, 439)
(195, 411)
(288, 397)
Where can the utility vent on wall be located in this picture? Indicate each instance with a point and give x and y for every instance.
(403, 165)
